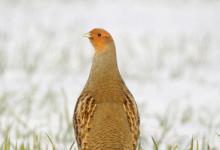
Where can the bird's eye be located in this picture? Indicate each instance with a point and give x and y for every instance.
(99, 34)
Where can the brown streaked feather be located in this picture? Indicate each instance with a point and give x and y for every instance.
(84, 110)
(131, 110)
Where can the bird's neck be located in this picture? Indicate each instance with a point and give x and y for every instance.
(104, 69)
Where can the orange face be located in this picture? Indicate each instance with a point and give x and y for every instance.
(99, 39)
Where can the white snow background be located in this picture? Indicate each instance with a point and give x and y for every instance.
(168, 53)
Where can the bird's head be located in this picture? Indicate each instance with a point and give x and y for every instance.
(99, 38)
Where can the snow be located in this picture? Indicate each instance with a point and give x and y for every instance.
(168, 54)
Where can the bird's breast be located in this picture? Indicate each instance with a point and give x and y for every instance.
(110, 128)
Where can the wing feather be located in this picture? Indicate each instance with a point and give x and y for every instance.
(84, 110)
(131, 110)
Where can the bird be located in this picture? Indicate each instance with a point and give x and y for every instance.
(106, 116)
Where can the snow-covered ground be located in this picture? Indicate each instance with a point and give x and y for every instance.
(168, 54)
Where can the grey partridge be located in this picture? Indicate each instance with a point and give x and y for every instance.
(106, 115)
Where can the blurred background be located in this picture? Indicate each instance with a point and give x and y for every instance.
(168, 53)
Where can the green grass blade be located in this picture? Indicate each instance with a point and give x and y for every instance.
(191, 144)
(155, 144)
(22, 147)
(53, 145)
(169, 147)
(197, 145)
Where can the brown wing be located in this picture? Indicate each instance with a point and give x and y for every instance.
(131, 110)
(84, 110)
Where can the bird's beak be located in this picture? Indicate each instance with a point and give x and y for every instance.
(88, 35)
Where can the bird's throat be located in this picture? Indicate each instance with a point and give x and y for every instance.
(104, 69)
